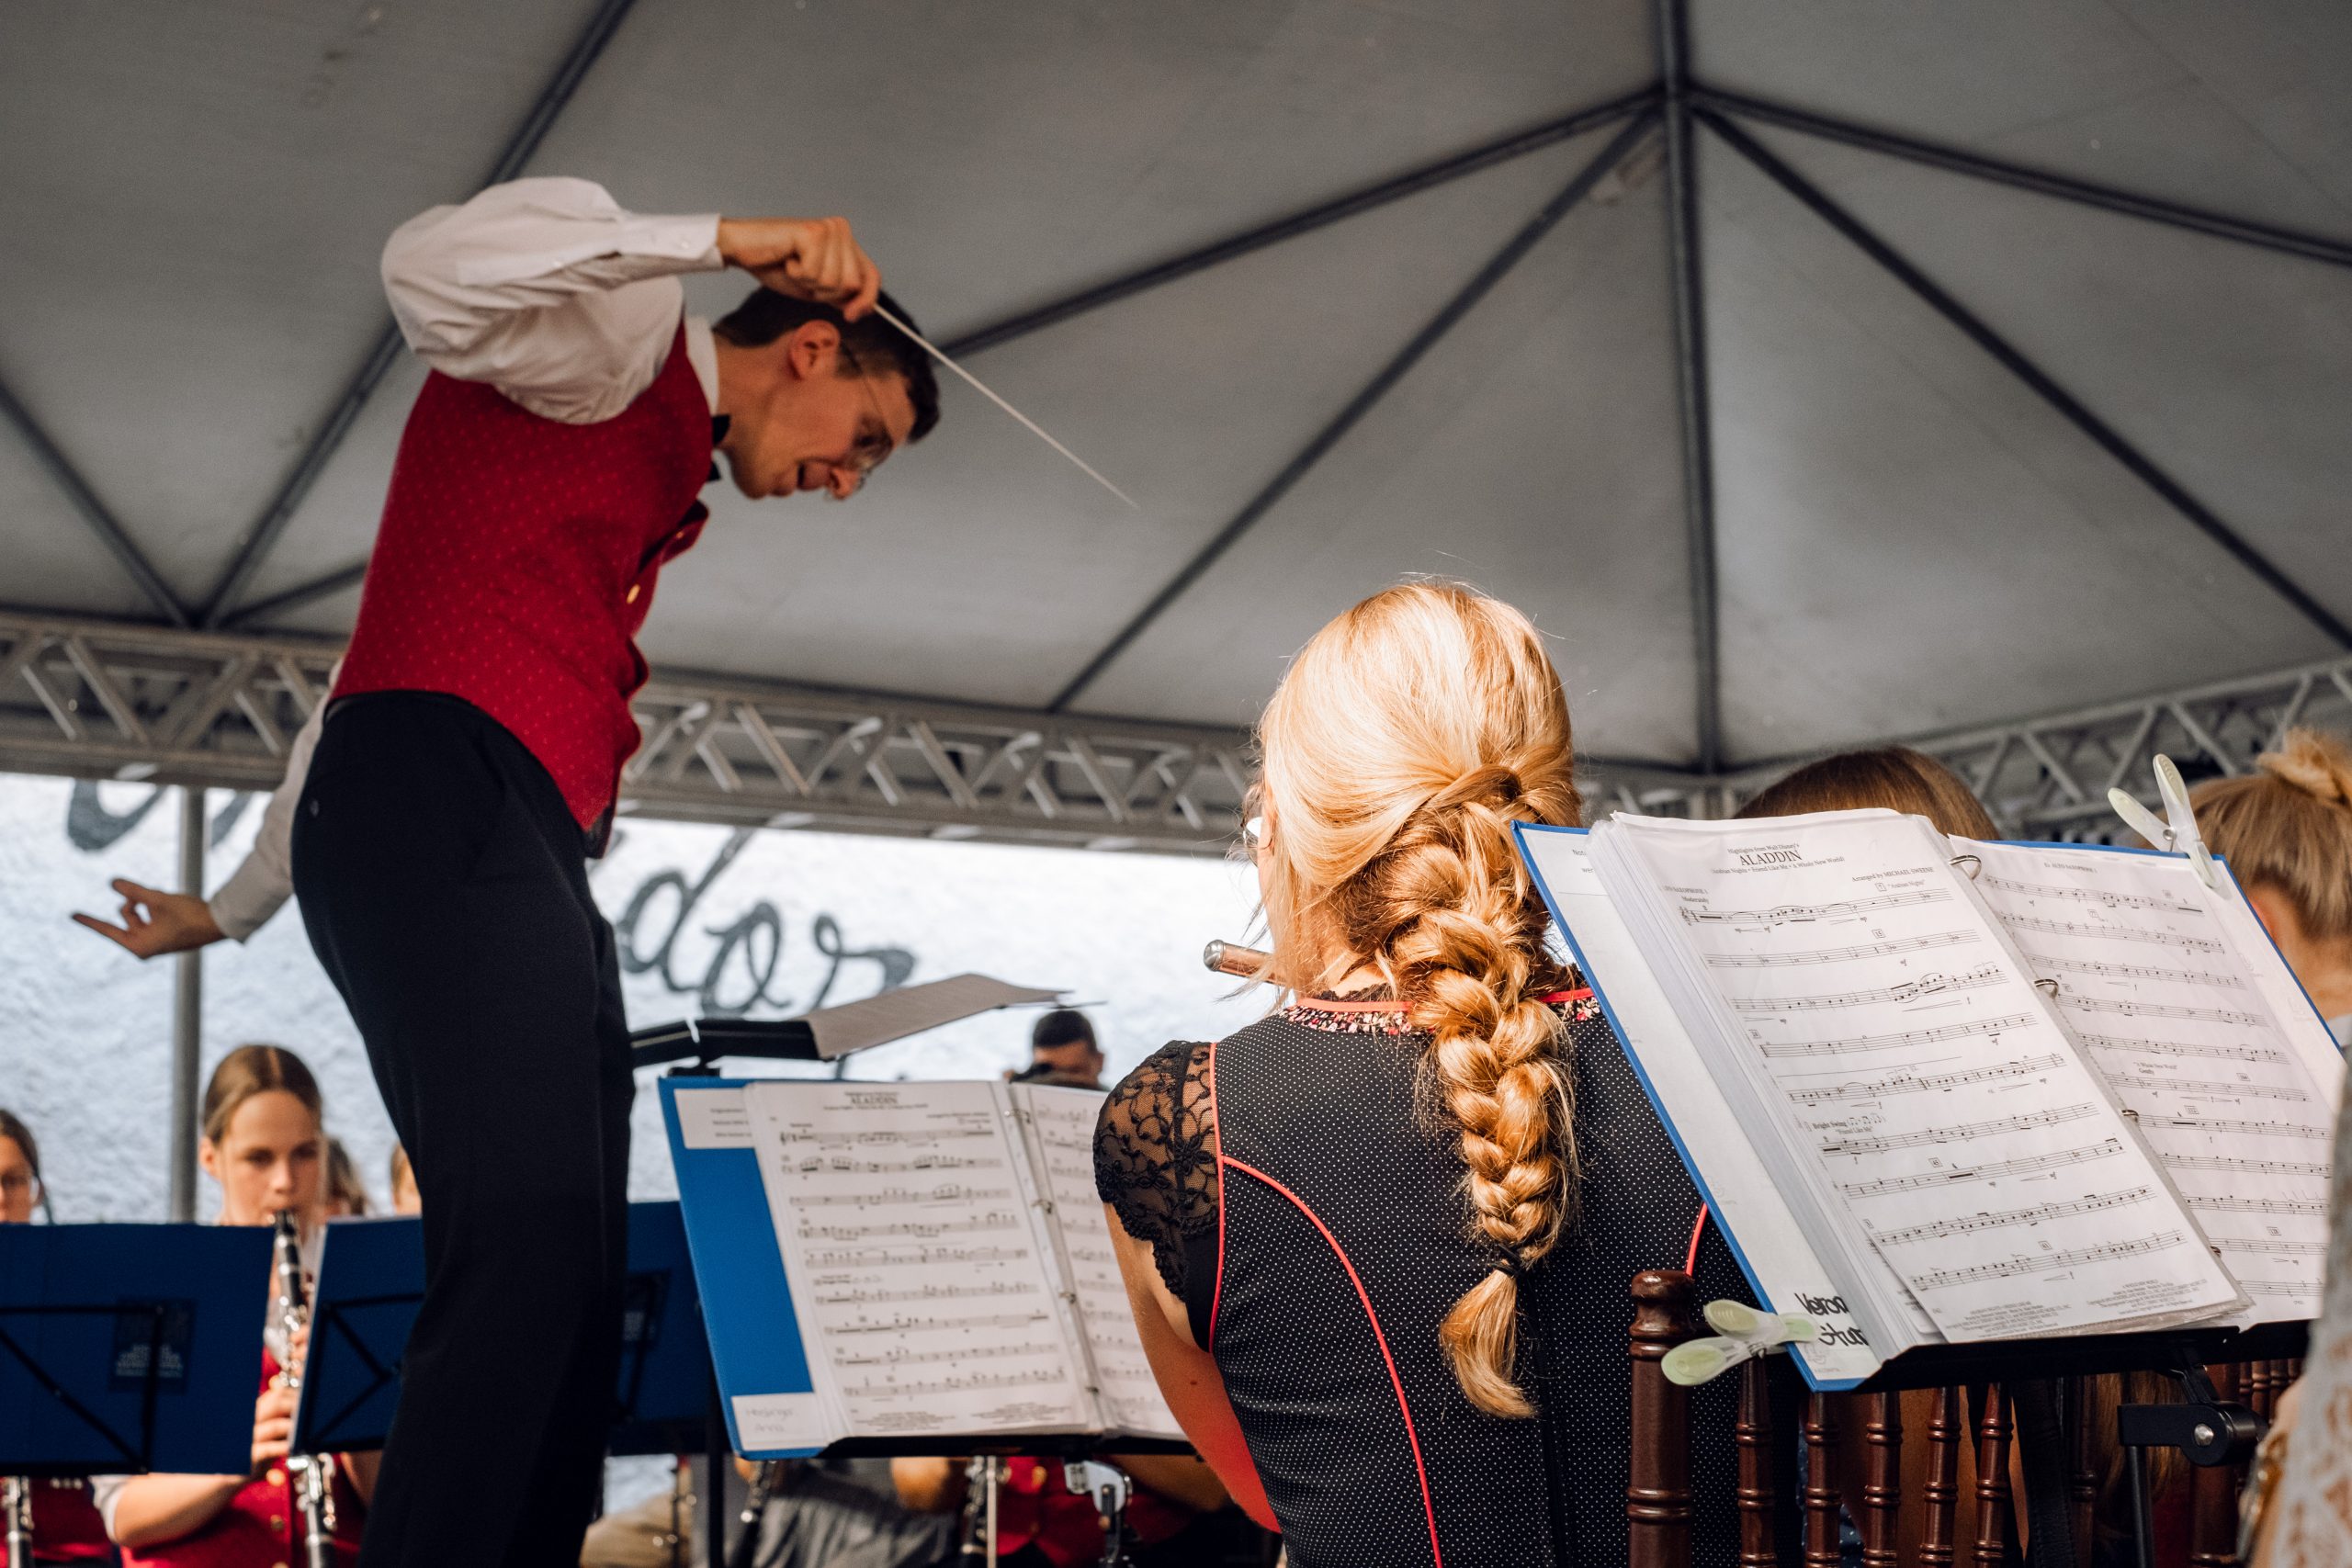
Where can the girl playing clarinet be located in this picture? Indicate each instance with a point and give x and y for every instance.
(263, 1144)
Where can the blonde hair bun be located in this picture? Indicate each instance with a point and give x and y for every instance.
(2286, 827)
(2315, 762)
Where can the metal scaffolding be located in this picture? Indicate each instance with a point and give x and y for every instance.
(101, 699)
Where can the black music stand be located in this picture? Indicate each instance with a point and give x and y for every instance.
(666, 1389)
(371, 1279)
(126, 1348)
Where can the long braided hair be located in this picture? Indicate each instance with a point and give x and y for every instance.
(1407, 738)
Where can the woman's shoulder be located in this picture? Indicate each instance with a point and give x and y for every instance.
(1155, 1153)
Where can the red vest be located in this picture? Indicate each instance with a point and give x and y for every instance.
(517, 560)
(262, 1526)
(66, 1526)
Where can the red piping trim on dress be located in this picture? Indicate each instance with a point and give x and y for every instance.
(1427, 1508)
(1217, 1292)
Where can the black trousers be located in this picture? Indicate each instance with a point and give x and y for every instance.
(443, 882)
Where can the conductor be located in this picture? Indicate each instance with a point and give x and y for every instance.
(470, 757)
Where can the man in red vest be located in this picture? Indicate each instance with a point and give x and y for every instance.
(470, 755)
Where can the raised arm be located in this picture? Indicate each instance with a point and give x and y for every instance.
(155, 921)
(548, 290)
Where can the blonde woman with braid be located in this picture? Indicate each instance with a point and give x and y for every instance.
(1378, 1243)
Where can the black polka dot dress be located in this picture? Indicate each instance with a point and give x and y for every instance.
(1302, 1189)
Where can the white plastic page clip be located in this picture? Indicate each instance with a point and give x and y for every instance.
(2178, 831)
(1745, 1333)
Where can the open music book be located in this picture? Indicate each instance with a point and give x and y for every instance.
(947, 1265)
(1942, 1091)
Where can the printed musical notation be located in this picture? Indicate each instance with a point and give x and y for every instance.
(2264, 1248)
(1900, 1037)
(1965, 1132)
(2117, 933)
(1060, 1124)
(1924, 1083)
(2080, 1002)
(2033, 1215)
(2183, 1048)
(2303, 1207)
(1928, 942)
(2112, 899)
(2215, 1088)
(898, 1355)
(899, 1252)
(2213, 1125)
(2241, 1166)
(1788, 914)
(995, 1290)
(2211, 977)
(2056, 1159)
(1907, 992)
(2147, 1015)
(931, 1306)
(2047, 1262)
(914, 1230)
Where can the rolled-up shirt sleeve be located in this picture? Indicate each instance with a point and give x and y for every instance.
(548, 290)
(263, 880)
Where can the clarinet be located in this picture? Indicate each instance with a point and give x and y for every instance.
(313, 1475)
(16, 1501)
(1232, 958)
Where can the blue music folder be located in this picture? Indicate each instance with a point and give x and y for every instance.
(371, 1279)
(129, 1348)
(772, 1406)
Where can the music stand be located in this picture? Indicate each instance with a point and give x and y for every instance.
(371, 1279)
(665, 1382)
(126, 1348)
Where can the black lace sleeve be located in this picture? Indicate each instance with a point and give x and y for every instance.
(1154, 1155)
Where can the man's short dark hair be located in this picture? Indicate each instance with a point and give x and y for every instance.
(1063, 1026)
(871, 347)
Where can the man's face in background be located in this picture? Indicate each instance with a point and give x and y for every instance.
(1072, 1059)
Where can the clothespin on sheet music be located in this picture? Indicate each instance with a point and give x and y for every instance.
(2178, 832)
(1744, 1334)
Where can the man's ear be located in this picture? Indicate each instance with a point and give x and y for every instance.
(812, 349)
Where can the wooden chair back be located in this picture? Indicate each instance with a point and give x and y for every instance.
(1659, 1503)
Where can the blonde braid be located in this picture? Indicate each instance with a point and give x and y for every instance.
(1468, 953)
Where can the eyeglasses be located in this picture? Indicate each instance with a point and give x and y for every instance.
(873, 445)
(18, 1184)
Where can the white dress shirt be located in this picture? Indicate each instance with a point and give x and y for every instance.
(545, 289)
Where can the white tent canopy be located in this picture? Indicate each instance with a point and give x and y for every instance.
(1877, 368)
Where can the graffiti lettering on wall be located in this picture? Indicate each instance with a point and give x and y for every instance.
(743, 971)
(92, 826)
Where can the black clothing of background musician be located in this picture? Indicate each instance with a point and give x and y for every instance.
(1303, 1195)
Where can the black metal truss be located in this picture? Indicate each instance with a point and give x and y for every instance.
(2043, 386)
(2024, 176)
(1688, 290)
(1383, 382)
(93, 512)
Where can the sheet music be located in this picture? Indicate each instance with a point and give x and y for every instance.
(926, 1295)
(2152, 986)
(1926, 1092)
(1061, 1123)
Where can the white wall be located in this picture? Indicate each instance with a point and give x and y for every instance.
(86, 1030)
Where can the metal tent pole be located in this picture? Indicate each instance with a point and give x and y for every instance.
(188, 1016)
